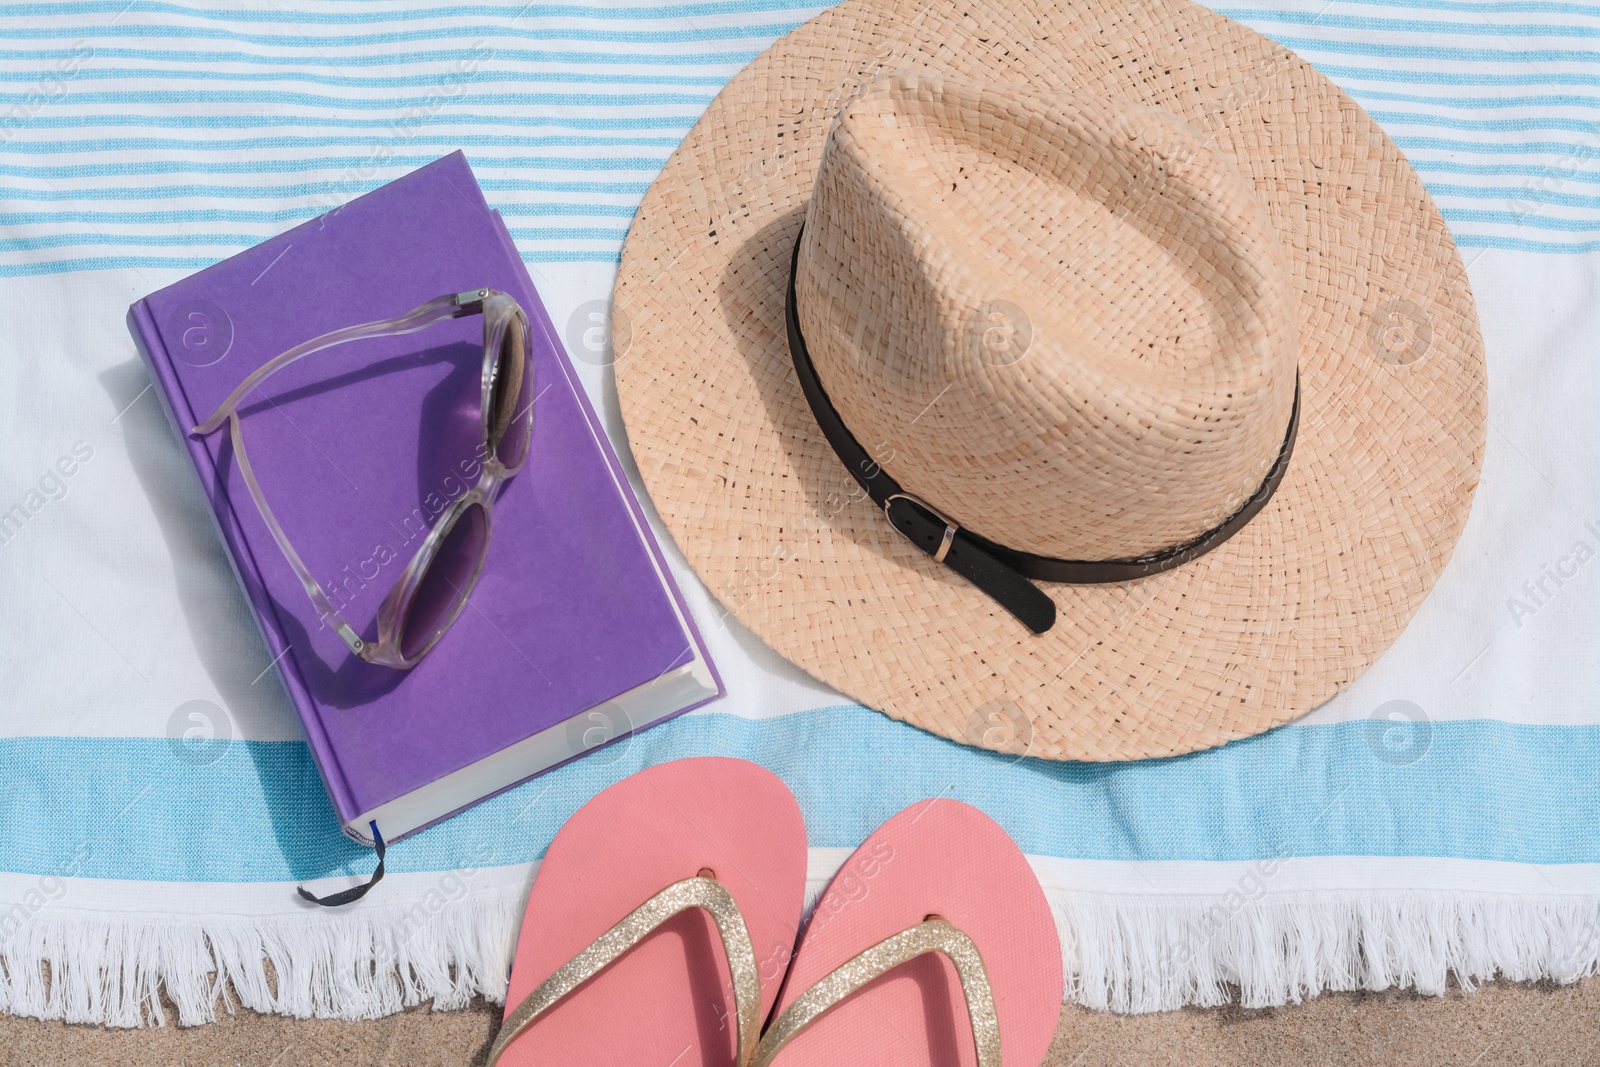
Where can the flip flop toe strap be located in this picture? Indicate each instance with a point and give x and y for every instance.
(934, 935)
(704, 893)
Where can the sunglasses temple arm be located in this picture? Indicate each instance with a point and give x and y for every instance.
(417, 318)
(313, 588)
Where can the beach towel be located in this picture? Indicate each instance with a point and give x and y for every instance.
(1439, 820)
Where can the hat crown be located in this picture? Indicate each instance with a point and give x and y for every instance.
(1064, 322)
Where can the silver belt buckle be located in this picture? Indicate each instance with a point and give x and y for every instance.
(950, 528)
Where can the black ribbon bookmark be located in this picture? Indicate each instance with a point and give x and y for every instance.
(1003, 573)
(355, 892)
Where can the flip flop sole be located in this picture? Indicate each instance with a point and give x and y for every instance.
(944, 858)
(669, 1000)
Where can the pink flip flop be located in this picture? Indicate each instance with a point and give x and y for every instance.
(941, 897)
(659, 923)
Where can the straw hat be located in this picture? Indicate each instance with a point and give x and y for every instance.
(1151, 342)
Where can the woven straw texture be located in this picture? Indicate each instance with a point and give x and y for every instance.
(1151, 242)
(1079, 366)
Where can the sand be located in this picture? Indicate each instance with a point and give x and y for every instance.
(1500, 1024)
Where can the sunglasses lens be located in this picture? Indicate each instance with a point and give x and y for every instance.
(511, 403)
(443, 590)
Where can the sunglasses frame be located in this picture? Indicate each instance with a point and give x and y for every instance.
(502, 315)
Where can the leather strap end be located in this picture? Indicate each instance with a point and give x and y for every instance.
(1029, 604)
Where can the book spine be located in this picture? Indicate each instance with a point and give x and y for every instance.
(158, 360)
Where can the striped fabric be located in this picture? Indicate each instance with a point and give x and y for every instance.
(1437, 821)
(1496, 104)
(146, 133)
(155, 134)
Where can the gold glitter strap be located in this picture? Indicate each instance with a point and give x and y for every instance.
(934, 935)
(703, 893)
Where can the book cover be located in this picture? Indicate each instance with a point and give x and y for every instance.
(360, 447)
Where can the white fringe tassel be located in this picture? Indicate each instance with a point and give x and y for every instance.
(1138, 956)
(361, 963)
(1161, 954)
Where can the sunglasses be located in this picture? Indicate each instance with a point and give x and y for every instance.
(433, 590)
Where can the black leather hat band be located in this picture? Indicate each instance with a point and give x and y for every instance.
(1003, 573)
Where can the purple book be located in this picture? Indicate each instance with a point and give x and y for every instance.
(574, 635)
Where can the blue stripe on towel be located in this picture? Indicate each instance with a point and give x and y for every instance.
(352, 188)
(455, 33)
(346, 17)
(1481, 789)
(339, 101)
(567, 57)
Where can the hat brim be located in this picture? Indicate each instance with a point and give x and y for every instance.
(1256, 632)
